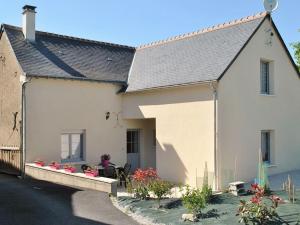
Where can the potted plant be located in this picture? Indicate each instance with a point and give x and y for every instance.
(105, 160)
(39, 163)
(91, 172)
(69, 168)
(54, 165)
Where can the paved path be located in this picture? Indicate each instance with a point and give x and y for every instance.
(31, 202)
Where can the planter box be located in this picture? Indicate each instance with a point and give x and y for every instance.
(70, 170)
(91, 173)
(79, 180)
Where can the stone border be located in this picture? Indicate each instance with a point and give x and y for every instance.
(71, 179)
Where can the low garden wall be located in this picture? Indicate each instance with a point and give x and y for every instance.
(71, 179)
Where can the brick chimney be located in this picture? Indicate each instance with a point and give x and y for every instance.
(28, 26)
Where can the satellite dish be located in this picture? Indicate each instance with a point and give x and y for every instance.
(270, 5)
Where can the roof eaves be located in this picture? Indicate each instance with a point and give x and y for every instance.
(285, 48)
(76, 78)
(206, 82)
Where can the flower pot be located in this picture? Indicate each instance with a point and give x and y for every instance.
(55, 166)
(91, 173)
(39, 163)
(70, 170)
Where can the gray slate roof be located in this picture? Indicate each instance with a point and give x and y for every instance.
(196, 57)
(60, 56)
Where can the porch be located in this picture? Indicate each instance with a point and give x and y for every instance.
(141, 143)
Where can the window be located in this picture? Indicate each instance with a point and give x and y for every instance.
(132, 141)
(264, 77)
(72, 147)
(266, 146)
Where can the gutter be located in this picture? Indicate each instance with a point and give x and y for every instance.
(215, 97)
(23, 124)
(208, 82)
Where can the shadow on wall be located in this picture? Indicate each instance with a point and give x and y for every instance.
(38, 202)
(169, 164)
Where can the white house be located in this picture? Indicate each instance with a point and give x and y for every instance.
(218, 96)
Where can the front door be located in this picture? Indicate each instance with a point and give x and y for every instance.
(133, 149)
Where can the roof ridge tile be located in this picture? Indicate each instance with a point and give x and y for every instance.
(72, 37)
(204, 30)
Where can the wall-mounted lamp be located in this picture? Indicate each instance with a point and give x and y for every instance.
(107, 115)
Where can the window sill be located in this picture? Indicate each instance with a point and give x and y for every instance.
(267, 95)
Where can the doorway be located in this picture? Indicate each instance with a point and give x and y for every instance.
(133, 149)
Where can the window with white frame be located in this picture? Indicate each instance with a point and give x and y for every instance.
(266, 146)
(132, 141)
(266, 77)
(72, 146)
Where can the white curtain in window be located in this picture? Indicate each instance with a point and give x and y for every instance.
(65, 153)
(76, 146)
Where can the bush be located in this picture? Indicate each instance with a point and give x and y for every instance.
(257, 211)
(160, 188)
(193, 200)
(207, 193)
(141, 180)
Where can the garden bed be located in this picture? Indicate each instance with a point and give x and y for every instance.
(222, 210)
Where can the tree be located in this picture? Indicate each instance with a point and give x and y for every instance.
(296, 47)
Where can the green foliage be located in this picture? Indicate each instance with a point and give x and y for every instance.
(296, 47)
(160, 189)
(258, 210)
(141, 191)
(207, 193)
(193, 199)
(250, 212)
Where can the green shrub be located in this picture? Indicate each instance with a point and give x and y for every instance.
(193, 200)
(160, 189)
(207, 193)
(257, 210)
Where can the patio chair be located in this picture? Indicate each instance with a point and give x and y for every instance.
(110, 172)
(124, 172)
(84, 167)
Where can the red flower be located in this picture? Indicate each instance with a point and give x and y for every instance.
(254, 186)
(144, 175)
(255, 200)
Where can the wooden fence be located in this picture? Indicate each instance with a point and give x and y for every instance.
(10, 161)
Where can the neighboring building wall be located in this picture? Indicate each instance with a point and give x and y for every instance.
(54, 106)
(243, 112)
(184, 129)
(10, 96)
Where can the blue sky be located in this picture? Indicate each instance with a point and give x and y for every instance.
(135, 22)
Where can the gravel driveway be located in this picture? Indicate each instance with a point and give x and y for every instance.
(31, 202)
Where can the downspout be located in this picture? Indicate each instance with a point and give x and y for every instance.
(215, 97)
(23, 125)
